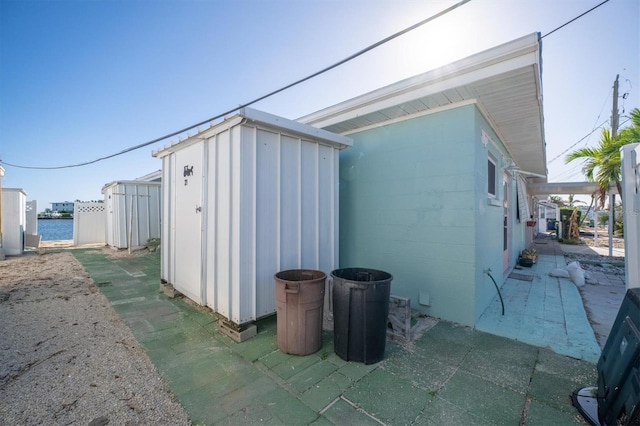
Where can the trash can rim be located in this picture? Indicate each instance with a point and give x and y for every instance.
(315, 275)
(386, 275)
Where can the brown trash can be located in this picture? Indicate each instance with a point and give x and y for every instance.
(299, 306)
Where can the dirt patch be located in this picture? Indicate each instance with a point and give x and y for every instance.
(65, 355)
(602, 241)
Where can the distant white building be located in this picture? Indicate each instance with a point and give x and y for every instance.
(63, 207)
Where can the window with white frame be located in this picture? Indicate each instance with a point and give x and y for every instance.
(491, 177)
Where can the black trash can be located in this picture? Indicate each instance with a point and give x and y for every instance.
(360, 311)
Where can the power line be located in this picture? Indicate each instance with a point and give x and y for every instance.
(567, 174)
(589, 134)
(574, 19)
(602, 108)
(593, 129)
(583, 138)
(288, 86)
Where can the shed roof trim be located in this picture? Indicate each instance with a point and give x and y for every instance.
(131, 183)
(150, 177)
(254, 116)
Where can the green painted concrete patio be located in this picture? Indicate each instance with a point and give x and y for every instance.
(451, 375)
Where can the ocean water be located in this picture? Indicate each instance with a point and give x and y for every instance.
(55, 229)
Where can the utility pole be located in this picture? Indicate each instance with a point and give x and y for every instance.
(615, 117)
(615, 120)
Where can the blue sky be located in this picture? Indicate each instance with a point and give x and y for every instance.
(83, 79)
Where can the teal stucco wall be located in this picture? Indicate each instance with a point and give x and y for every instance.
(490, 218)
(413, 202)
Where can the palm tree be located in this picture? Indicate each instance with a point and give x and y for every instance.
(599, 166)
(571, 201)
(632, 133)
(556, 199)
(602, 163)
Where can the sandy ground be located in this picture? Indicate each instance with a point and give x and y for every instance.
(65, 355)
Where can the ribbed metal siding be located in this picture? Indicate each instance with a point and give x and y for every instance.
(270, 207)
(167, 254)
(145, 197)
(268, 204)
(14, 220)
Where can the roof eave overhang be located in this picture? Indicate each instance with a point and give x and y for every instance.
(504, 82)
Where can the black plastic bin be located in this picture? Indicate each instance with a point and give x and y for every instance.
(360, 311)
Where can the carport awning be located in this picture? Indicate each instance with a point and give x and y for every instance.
(549, 188)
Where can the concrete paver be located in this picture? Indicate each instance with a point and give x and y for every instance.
(451, 375)
(545, 311)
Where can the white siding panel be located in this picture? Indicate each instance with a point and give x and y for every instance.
(267, 223)
(290, 203)
(14, 220)
(154, 206)
(210, 234)
(309, 217)
(167, 255)
(109, 200)
(121, 201)
(222, 227)
(247, 244)
(325, 208)
(243, 302)
(141, 221)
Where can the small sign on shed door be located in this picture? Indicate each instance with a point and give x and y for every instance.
(188, 171)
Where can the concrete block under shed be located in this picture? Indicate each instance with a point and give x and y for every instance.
(247, 332)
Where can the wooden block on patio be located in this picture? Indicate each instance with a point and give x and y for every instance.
(246, 332)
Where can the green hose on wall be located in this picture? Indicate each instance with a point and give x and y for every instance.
(497, 288)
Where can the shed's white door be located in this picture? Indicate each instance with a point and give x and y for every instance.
(188, 226)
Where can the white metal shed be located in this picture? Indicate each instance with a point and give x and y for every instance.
(133, 212)
(14, 220)
(242, 200)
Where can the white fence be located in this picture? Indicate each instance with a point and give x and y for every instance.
(631, 204)
(89, 223)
